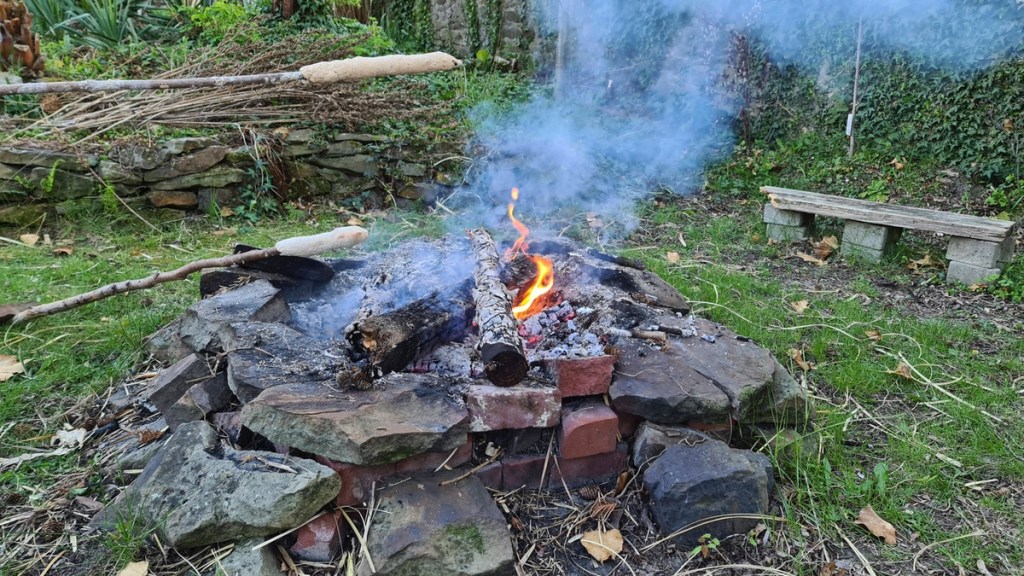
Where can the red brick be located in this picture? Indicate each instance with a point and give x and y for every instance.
(515, 407)
(321, 539)
(429, 461)
(582, 376)
(582, 471)
(491, 475)
(587, 430)
(521, 471)
(356, 480)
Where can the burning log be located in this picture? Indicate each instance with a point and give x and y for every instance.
(500, 347)
(395, 339)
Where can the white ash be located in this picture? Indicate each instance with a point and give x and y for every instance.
(454, 359)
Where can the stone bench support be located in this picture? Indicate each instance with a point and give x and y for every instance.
(979, 248)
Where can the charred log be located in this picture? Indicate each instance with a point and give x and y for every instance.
(500, 347)
(393, 340)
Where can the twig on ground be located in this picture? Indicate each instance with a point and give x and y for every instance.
(975, 534)
(860, 556)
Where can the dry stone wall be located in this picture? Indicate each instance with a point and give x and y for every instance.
(207, 174)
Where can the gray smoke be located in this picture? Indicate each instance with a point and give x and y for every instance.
(639, 104)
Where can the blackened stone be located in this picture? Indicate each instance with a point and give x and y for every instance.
(204, 321)
(688, 484)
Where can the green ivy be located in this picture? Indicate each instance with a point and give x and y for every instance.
(472, 24)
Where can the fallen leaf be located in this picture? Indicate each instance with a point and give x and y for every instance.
(798, 357)
(63, 251)
(672, 257)
(622, 481)
(135, 569)
(29, 239)
(873, 335)
(895, 163)
(874, 523)
(148, 435)
(9, 366)
(808, 258)
(926, 262)
(353, 221)
(602, 545)
(825, 247)
(901, 370)
(800, 306)
(227, 212)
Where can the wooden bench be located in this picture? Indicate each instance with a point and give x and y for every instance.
(978, 248)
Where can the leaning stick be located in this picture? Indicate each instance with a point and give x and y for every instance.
(346, 70)
(343, 237)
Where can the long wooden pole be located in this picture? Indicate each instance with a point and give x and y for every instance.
(320, 73)
(343, 237)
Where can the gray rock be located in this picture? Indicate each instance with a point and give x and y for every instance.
(21, 214)
(206, 397)
(139, 157)
(196, 493)
(262, 355)
(304, 149)
(47, 158)
(216, 177)
(660, 386)
(243, 561)
(300, 136)
(361, 164)
(114, 173)
(55, 185)
(135, 456)
(198, 161)
(652, 439)
(187, 144)
(172, 382)
(204, 321)
(410, 416)
(425, 529)
(213, 199)
(166, 344)
(344, 148)
(367, 138)
(688, 484)
(411, 170)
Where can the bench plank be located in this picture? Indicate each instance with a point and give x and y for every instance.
(962, 225)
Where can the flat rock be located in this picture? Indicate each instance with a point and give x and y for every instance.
(198, 161)
(361, 164)
(172, 382)
(660, 386)
(204, 321)
(263, 355)
(196, 492)
(689, 483)
(187, 144)
(173, 199)
(203, 398)
(425, 529)
(410, 416)
(55, 185)
(216, 177)
(244, 561)
(47, 158)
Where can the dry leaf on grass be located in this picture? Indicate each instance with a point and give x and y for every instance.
(798, 357)
(902, 370)
(672, 257)
(808, 258)
(602, 545)
(874, 523)
(825, 247)
(29, 239)
(9, 366)
(63, 251)
(800, 306)
(923, 263)
(873, 335)
(897, 163)
(135, 569)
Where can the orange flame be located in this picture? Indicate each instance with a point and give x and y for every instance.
(520, 244)
(542, 284)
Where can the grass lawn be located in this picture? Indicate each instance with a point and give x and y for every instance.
(919, 386)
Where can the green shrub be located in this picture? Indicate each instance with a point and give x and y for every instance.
(211, 23)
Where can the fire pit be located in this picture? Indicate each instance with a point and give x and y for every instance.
(527, 366)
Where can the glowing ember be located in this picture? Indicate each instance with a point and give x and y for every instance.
(541, 285)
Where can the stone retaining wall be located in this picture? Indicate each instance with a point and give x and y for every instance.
(205, 174)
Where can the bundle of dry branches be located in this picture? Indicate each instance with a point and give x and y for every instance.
(341, 104)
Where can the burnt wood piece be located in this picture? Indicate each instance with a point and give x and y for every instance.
(393, 340)
(292, 266)
(222, 279)
(620, 260)
(500, 347)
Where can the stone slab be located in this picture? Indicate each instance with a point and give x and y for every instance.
(173, 381)
(262, 355)
(203, 398)
(865, 240)
(203, 322)
(409, 416)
